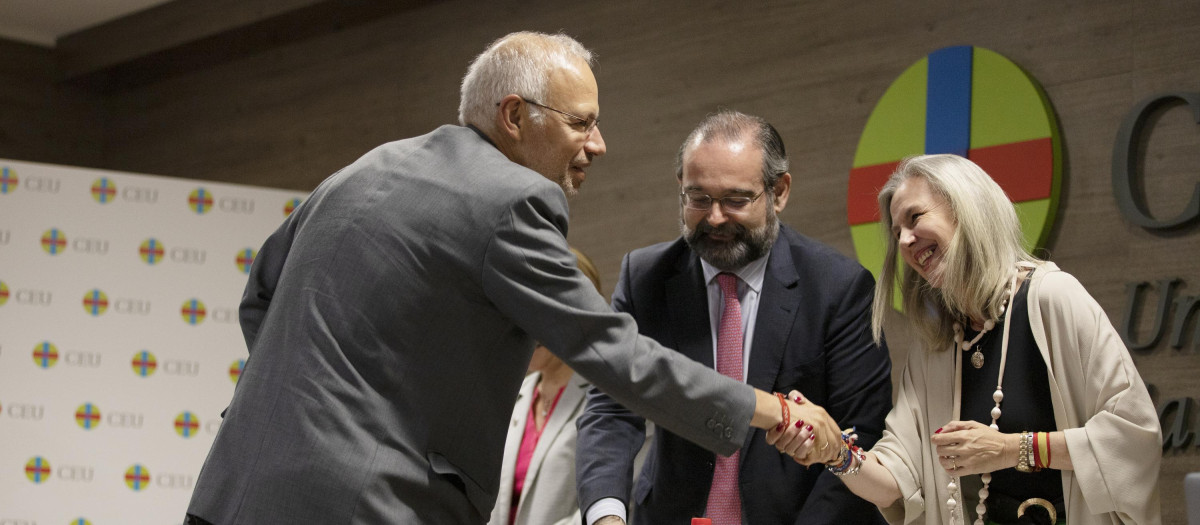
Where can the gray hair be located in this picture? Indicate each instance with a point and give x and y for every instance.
(728, 126)
(984, 251)
(518, 63)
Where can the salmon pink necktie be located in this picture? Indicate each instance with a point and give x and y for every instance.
(724, 498)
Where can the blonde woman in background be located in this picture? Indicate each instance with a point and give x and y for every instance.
(537, 484)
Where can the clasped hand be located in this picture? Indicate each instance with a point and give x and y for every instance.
(811, 436)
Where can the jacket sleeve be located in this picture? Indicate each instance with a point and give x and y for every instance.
(264, 278)
(1118, 449)
(529, 274)
(901, 449)
(609, 434)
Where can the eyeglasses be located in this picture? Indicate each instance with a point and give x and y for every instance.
(729, 203)
(588, 123)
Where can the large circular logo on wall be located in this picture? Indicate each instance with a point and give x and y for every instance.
(971, 102)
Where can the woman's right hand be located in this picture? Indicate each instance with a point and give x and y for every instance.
(811, 437)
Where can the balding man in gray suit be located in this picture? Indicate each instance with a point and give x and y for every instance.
(391, 317)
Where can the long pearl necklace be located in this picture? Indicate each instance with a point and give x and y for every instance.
(952, 503)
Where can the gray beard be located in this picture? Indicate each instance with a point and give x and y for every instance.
(747, 246)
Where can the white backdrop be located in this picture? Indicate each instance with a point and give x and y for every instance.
(119, 342)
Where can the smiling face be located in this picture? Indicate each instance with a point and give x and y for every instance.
(923, 226)
(560, 147)
(719, 169)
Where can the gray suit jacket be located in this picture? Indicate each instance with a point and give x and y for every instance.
(390, 320)
(548, 497)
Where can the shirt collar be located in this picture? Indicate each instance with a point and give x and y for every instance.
(752, 273)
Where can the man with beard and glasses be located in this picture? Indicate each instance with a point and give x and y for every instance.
(770, 307)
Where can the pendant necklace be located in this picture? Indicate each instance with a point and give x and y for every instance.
(977, 357)
(952, 503)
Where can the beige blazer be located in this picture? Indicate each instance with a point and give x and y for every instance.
(549, 493)
(1099, 400)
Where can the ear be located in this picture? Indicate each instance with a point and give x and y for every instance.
(509, 119)
(783, 188)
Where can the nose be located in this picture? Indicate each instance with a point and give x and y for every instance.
(595, 146)
(906, 237)
(716, 216)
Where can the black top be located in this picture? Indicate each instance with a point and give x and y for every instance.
(1026, 405)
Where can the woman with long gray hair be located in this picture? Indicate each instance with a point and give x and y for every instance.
(1022, 405)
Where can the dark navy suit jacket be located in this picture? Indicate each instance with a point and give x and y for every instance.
(812, 334)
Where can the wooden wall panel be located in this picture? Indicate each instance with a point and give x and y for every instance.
(288, 115)
(40, 119)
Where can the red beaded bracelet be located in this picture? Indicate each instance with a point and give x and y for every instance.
(787, 413)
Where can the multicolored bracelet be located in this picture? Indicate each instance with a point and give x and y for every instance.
(1041, 450)
(852, 457)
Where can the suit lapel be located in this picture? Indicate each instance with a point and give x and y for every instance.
(513, 442)
(564, 412)
(687, 302)
(777, 307)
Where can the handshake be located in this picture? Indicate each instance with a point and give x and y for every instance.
(807, 433)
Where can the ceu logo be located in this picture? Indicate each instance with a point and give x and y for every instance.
(81, 521)
(104, 190)
(8, 180)
(87, 416)
(245, 258)
(95, 302)
(192, 311)
(37, 469)
(200, 201)
(144, 363)
(971, 102)
(290, 206)
(54, 241)
(137, 478)
(151, 251)
(3, 293)
(186, 424)
(45, 354)
(235, 370)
